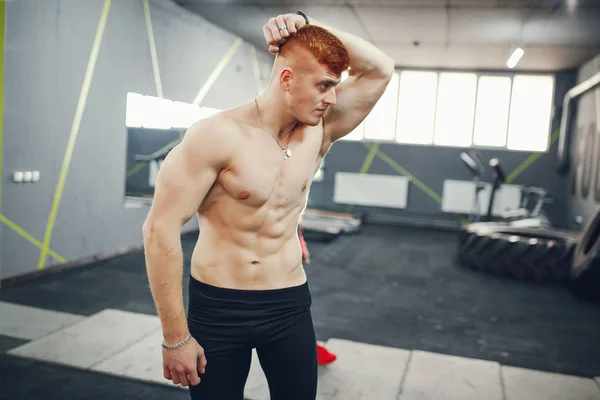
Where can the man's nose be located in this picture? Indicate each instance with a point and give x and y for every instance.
(330, 98)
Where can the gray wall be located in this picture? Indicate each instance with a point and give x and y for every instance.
(584, 174)
(433, 164)
(2, 42)
(48, 45)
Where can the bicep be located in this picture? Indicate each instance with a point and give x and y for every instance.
(185, 178)
(356, 97)
(180, 188)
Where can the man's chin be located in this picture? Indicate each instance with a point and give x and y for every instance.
(312, 121)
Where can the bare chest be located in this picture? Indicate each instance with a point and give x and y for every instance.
(263, 173)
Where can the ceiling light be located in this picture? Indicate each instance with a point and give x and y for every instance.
(515, 57)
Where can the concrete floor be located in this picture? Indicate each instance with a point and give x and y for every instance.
(404, 320)
(127, 345)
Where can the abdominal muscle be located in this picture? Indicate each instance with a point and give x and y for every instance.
(241, 247)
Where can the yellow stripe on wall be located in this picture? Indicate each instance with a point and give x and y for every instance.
(29, 237)
(153, 54)
(402, 171)
(217, 71)
(369, 158)
(2, 39)
(74, 133)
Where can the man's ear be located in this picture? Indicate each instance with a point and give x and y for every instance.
(285, 77)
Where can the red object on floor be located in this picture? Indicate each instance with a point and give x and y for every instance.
(324, 356)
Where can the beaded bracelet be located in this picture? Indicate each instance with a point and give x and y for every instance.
(178, 345)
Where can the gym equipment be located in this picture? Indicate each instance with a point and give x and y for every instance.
(325, 226)
(475, 165)
(521, 244)
(585, 273)
(346, 222)
(528, 254)
(498, 179)
(473, 161)
(524, 216)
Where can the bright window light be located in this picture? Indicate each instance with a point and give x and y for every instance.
(491, 112)
(134, 115)
(184, 114)
(357, 134)
(205, 112)
(530, 112)
(455, 109)
(158, 113)
(380, 124)
(416, 107)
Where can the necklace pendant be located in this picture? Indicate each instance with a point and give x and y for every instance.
(288, 152)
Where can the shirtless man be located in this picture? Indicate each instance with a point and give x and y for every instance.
(246, 173)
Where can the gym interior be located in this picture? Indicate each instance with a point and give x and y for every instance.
(454, 234)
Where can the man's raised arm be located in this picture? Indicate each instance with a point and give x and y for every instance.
(370, 72)
(184, 179)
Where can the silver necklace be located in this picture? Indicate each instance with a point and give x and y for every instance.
(286, 150)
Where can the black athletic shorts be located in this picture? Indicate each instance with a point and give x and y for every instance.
(229, 323)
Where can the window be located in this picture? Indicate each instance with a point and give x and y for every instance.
(184, 115)
(491, 112)
(530, 112)
(455, 109)
(357, 134)
(463, 109)
(156, 113)
(381, 122)
(416, 107)
(134, 115)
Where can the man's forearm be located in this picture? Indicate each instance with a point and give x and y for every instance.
(164, 266)
(364, 57)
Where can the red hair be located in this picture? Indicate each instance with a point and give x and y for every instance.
(324, 46)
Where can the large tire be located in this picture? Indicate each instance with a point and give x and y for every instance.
(586, 266)
(525, 254)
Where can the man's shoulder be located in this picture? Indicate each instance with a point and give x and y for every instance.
(215, 137)
(220, 127)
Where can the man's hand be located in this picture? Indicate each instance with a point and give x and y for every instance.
(182, 365)
(279, 29)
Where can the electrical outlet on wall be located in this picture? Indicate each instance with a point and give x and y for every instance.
(25, 176)
(18, 176)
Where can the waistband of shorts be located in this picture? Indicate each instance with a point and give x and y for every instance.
(292, 292)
